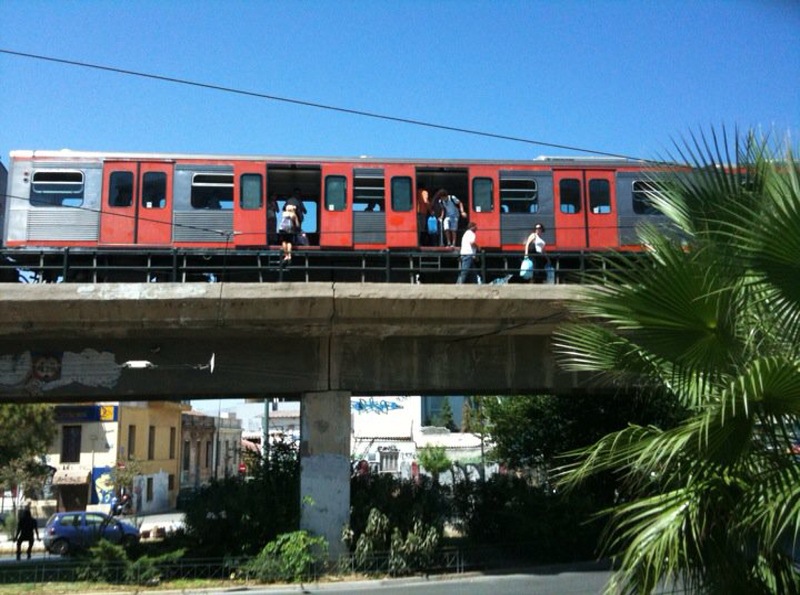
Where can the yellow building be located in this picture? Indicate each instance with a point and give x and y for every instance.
(142, 437)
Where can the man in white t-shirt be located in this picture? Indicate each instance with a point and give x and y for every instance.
(469, 248)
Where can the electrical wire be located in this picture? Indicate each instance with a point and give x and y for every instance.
(304, 103)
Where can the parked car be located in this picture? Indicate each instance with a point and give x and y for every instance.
(66, 532)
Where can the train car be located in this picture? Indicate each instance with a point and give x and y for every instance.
(157, 201)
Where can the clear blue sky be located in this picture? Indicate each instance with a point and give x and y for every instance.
(623, 76)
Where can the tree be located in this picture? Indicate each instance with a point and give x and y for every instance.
(28, 431)
(445, 417)
(435, 460)
(712, 321)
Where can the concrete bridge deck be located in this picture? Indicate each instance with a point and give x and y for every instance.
(277, 339)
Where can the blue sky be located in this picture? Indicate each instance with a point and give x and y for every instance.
(625, 77)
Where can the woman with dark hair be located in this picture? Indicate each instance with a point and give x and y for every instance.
(540, 259)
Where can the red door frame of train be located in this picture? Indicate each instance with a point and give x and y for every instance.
(584, 228)
(136, 223)
(250, 224)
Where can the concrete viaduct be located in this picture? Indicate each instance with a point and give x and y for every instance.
(319, 342)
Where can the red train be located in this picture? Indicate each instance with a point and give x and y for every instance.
(160, 201)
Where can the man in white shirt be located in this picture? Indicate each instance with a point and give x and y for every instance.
(469, 248)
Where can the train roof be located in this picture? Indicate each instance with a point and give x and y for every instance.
(69, 155)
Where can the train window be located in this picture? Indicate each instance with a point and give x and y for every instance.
(401, 194)
(335, 193)
(482, 190)
(212, 191)
(252, 194)
(154, 190)
(642, 195)
(570, 192)
(519, 195)
(368, 190)
(600, 196)
(120, 189)
(57, 188)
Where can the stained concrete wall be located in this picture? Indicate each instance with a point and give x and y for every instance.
(70, 342)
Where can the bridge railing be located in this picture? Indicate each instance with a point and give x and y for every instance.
(79, 265)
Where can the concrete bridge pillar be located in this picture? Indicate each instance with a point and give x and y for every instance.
(325, 465)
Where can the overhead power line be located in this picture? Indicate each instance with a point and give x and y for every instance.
(323, 106)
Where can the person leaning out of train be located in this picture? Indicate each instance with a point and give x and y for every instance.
(296, 199)
(451, 210)
(535, 243)
(288, 228)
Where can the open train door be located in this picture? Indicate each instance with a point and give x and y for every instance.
(335, 216)
(585, 209)
(249, 204)
(137, 203)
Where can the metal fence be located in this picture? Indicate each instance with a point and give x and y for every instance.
(260, 266)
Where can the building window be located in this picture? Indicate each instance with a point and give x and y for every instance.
(171, 482)
(149, 489)
(208, 454)
(187, 453)
(71, 444)
(151, 443)
(131, 441)
(390, 458)
(212, 191)
(172, 442)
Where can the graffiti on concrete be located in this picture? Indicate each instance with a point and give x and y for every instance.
(373, 405)
(38, 372)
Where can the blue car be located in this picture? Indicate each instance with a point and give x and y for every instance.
(66, 532)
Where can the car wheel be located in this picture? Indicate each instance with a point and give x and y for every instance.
(128, 541)
(60, 547)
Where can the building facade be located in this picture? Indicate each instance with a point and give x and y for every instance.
(99, 445)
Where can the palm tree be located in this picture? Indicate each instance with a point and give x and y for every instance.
(709, 316)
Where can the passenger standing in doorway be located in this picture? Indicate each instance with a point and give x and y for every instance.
(296, 199)
(469, 249)
(423, 212)
(26, 526)
(451, 210)
(288, 228)
(540, 259)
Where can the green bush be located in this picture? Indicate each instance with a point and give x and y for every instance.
(292, 557)
(233, 517)
(108, 562)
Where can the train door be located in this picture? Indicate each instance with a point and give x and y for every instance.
(137, 203)
(251, 221)
(401, 208)
(585, 209)
(483, 209)
(336, 215)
